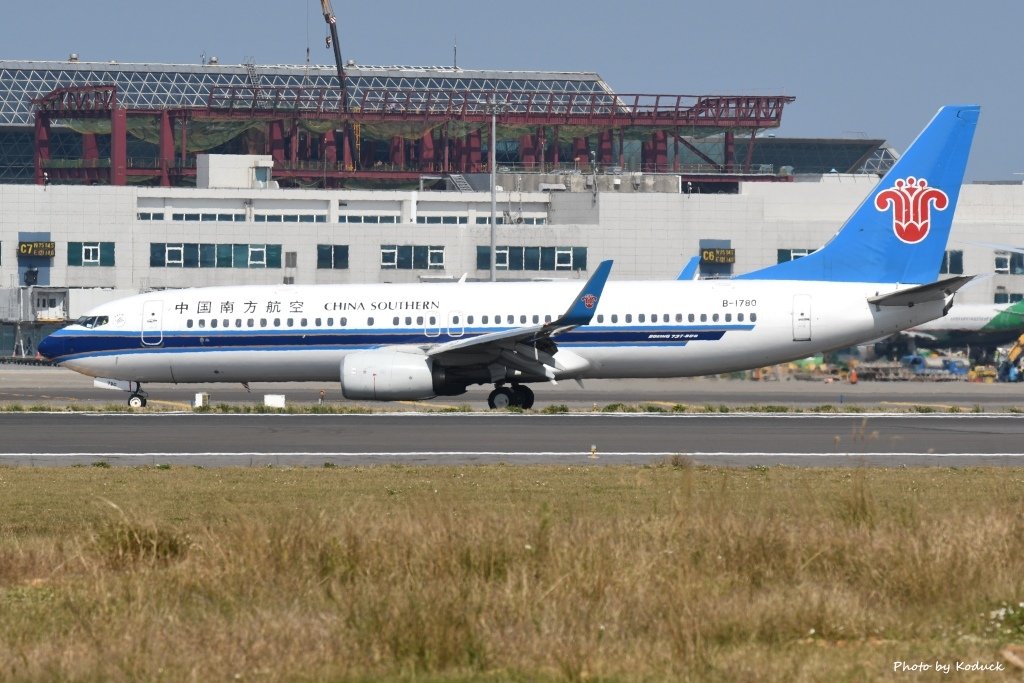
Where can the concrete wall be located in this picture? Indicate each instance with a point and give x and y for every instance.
(650, 235)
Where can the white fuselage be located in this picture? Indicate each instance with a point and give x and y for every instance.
(640, 329)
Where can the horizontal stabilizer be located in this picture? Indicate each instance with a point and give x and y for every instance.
(935, 291)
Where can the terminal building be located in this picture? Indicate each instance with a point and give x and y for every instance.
(102, 195)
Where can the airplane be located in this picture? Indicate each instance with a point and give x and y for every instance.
(877, 275)
(978, 326)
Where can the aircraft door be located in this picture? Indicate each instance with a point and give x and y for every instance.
(456, 324)
(801, 317)
(152, 323)
(432, 326)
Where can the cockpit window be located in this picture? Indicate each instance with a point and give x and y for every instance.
(91, 321)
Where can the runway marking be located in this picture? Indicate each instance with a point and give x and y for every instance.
(589, 415)
(581, 454)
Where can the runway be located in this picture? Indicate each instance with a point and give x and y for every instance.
(211, 440)
(52, 386)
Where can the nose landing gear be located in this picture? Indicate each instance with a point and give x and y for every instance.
(518, 396)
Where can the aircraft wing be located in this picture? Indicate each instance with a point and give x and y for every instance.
(933, 291)
(528, 347)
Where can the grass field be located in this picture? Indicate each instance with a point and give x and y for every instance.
(498, 573)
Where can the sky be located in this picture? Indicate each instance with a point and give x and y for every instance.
(861, 68)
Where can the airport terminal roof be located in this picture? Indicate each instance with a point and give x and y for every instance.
(158, 86)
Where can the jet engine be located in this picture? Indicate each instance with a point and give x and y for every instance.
(387, 375)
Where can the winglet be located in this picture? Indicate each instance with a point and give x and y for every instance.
(583, 307)
(689, 271)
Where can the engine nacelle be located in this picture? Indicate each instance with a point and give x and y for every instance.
(383, 375)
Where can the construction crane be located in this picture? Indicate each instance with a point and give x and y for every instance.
(332, 23)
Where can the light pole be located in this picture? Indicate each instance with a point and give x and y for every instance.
(495, 108)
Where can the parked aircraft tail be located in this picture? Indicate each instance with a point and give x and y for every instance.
(899, 233)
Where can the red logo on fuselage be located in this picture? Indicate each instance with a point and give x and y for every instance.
(911, 201)
(589, 300)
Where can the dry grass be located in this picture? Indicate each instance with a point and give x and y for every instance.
(673, 572)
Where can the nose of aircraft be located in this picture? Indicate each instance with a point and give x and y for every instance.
(51, 346)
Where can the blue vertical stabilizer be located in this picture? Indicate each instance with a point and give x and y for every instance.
(899, 233)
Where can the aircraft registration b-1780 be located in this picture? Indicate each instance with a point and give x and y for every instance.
(876, 276)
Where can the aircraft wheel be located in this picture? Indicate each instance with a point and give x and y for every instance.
(500, 398)
(522, 396)
(136, 401)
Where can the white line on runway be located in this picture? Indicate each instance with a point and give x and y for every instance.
(511, 415)
(600, 454)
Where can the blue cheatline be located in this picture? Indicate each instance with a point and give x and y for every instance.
(899, 233)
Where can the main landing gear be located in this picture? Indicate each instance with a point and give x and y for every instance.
(518, 396)
(138, 398)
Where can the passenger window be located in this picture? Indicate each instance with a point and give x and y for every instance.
(615, 317)
(714, 317)
(469, 320)
(202, 322)
(213, 323)
(455, 320)
(238, 322)
(318, 322)
(291, 322)
(511, 320)
(394, 321)
(249, 323)
(343, 321)
(536, 319)
(728, 317)
(277, 322)
(483, 320)
(640, 318)
(188, 323)
(522, 320)
(263, 322)
(703, 317)
(664, 318)
(679, 317)
(547, 318)
(629, 317)
(433, 320)
(305, 322)
(600, 318)
(739, 317)
(330, 322)
(690, 317)
(419, 320)
(753, 317)
(225, 323)
(369, 322)
(408, 320)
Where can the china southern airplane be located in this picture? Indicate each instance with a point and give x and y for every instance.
(876, 276)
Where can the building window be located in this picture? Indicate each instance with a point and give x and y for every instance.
(90, 253)
(257, 256)
(1012, 264)
(333, 256)
(952, 263)
(793, 254)
(532, 258)
(206, 255)
(174, 254)
(411, 257)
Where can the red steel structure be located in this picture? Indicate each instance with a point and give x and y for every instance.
(434, 131)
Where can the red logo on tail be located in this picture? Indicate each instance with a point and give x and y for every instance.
(911, 201)
(589, 300)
